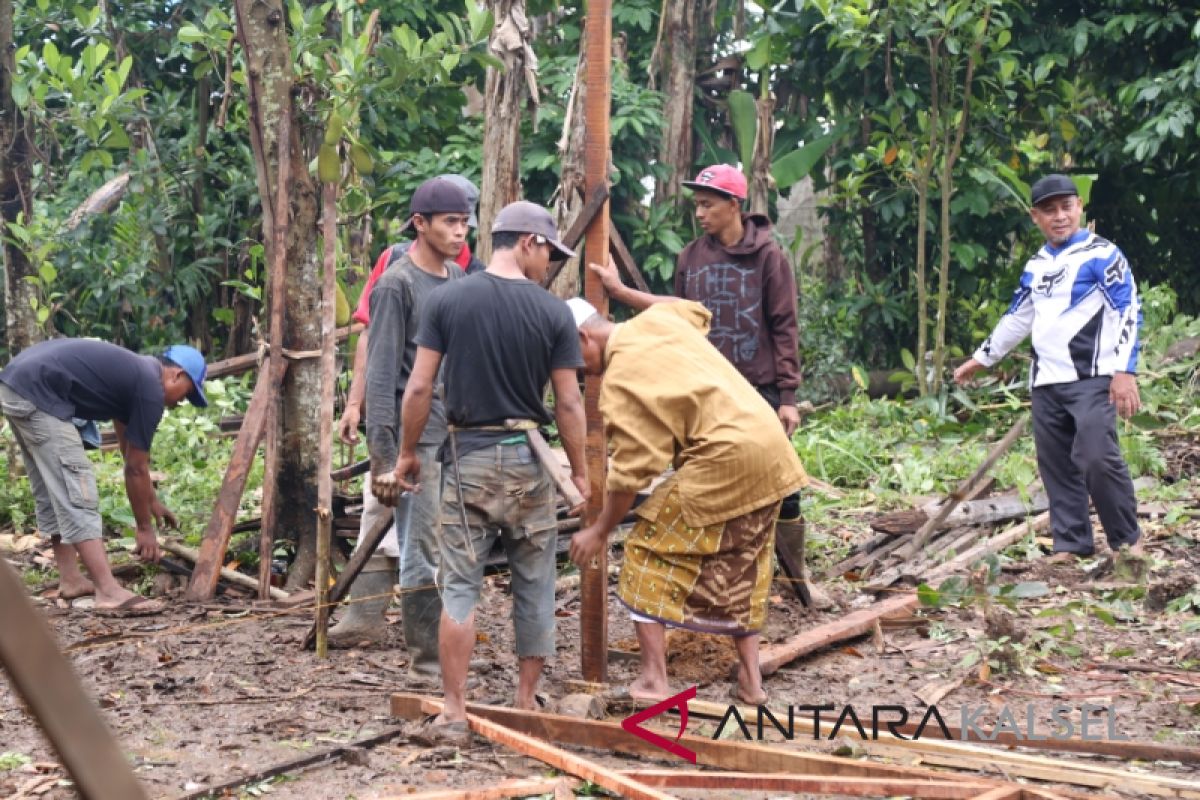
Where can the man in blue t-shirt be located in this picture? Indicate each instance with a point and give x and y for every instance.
(53, 382)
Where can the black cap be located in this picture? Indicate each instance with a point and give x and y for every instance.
(526, 217)
(438, 196)
(1052, 186)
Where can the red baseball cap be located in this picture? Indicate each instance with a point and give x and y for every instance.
(721, 178)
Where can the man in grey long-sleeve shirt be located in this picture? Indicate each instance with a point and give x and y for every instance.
(440, 210)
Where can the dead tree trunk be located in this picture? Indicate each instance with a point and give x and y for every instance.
(569, 201)
(269, 64)
(760, 172)
(16, 199)
(504, 91)
(675, 55)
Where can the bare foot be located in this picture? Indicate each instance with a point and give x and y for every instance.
(1063, 558)
(750, 693)
(73, 589)
(649, 691)
(113, 599)
(1137, 548)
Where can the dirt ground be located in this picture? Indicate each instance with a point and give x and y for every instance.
(205, 694)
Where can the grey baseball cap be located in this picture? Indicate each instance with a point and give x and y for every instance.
(437, 196)
(1052, 186)
(469, 189)
(525, 217)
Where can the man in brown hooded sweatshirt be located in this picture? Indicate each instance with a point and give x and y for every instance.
(740, 274)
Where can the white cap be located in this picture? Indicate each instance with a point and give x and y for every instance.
(581, 310)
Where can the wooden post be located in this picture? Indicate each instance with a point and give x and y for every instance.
(43, 677)
(203, 584)
(276, 365)
(593, 589)
(325, 451)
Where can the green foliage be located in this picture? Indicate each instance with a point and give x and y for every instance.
(10, 761)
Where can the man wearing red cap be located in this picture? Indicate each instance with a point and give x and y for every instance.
(740, 274)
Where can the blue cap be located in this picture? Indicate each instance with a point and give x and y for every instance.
(190, 361)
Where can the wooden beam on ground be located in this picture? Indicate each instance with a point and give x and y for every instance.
(595, 202)
(362, 552)
(993, 544)
(974, 757)
(945, 789)
(952, 500)
(44, 679)
(233, 576)
(211, 558)
(717, 753)
(624, 260)
(593, 588)
(774, 656)
(518, 787)
(1000, 793)
(568, 762)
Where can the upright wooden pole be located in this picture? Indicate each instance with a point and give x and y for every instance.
(276, 366)
(325, 449)
(593, 587)
(43, 677)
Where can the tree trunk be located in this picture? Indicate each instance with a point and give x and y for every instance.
(504, 91)
(16, 200)
(678, 61)
(571, 181)
(199, 316)
(764, 140)
(268, 56)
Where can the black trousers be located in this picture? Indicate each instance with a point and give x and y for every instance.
(1074, 428)
(790, 510)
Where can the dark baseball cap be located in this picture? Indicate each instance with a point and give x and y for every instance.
(438, 196)
(525, 217)
(1052, 186)
(469, 189)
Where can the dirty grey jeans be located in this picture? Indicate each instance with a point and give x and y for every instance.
(60, 474)
(419, 541)
(507, 495)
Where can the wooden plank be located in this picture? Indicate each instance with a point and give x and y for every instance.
(952, 500)
(1000, 793)
(248, 361)
(518, 787)
(992, 545)
(44, 679)
(579, 225)
(721, 754)
(774, 656)
(624, 260)
(978, 758)
(362, 552)
(944, 789)
(203, 584)
(593, 588)
(556, 757)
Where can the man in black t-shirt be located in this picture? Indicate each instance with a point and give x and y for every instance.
(502, 337)
(41, 391)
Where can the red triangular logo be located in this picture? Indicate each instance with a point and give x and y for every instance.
(633, 724)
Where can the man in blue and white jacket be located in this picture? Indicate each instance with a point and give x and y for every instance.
(1078, 300)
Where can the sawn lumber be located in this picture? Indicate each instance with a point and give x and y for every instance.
(233, 576)
(948, 788)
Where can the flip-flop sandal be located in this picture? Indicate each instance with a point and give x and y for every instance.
(136, 606)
